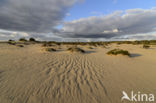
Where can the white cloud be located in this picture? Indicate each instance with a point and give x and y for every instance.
(111, 31)
(119, 23)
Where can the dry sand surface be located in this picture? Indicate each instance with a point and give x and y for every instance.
(30, 75)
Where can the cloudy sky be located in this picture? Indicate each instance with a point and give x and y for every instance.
(70, 20)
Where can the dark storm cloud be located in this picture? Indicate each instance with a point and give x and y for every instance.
(72, 35)
(33, 15)
(119, 23)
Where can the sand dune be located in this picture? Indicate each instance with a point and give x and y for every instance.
(29, 75)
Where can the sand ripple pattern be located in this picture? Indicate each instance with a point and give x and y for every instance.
(63, 77)
(69, 78)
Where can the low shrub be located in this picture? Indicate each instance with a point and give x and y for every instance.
(47, 44)
(22, 39)
(12, 42)
(32, 39)
(118, 51)
(90, 47)
(50, 49)
(146, 46)
(20, 45)
(76, 49)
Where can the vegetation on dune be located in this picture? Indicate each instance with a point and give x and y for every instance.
(50, 49)
(76, 49)
(95, 44)
(50, 43)
(20, 45)
(146, 46)
(23, 39)
(11, 42)
(82, 43)
(90, 47)
(46, 44)
(32, 39)
(149, 42)
(118, 51)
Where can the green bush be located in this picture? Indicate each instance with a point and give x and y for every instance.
(118, 51)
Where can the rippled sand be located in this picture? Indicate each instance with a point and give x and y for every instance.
(29, 75)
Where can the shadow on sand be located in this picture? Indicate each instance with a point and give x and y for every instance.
(89, 52)
(135, 55)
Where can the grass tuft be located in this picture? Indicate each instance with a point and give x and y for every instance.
(76, 49)
(118, 51)
(146, 46)
(90, 48)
